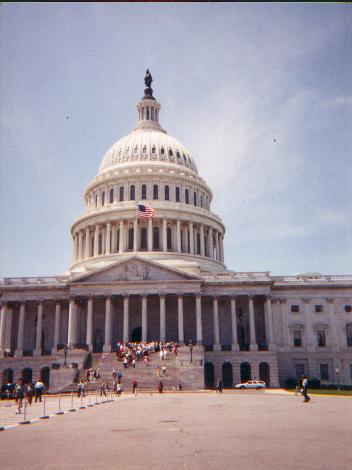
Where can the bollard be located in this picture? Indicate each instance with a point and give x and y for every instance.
(96, 397)
(45, 416)
(89, 396)
(72, 409)
(59, 412)
(25, 421)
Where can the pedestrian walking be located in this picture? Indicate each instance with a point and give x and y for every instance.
(134, 386)
(305, 389)
(29, 393)
(160, 387)
(164, 370)
(19, 395)
(80, 389)
(219, 386)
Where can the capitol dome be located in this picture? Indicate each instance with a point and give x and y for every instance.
(148, 167)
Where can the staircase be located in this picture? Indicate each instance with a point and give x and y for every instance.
(144, 374)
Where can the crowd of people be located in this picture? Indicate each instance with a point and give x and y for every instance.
(26, 391)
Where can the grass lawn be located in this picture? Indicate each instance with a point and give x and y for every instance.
(312, 391)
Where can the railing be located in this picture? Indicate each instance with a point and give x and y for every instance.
(313, 278)
(32, 281)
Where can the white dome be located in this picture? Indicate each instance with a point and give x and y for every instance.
(147, 145)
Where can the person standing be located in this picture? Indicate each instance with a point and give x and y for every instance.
(19, 395)
(158, 371)
(134, 386)
(164, 370)
(160, 387)
(305, 389)
(39, 389)
(118, 389)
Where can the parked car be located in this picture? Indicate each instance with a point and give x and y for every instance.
(257, 384)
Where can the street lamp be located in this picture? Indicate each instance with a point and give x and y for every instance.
(337, 378)
(191, 350)
(66, 348)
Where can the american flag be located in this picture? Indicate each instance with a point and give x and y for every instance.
(145, 212)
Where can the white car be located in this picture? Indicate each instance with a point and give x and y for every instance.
(257, 384)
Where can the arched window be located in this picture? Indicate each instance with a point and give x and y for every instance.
(167, 193)
(111, 195)
(349, 334)
(155, 191)
(145, 149)
(153, 149)
(144, 191)
(195, 198)
(7, 376)
(130, 238)
(227, 376)
(209, 376)
(156, 240)
(147, 112)
(201, 201)
(27, 375)
(198, 243)
(187, 196)
(103, 198)
(169, 238)
(177, 194)
(264, 373)
(171, 153)
(178, 154)
(122, 193)
(144, 245)
(132, 192)
(245, 372)
(100, 244)
(135, 151)
(162, 151)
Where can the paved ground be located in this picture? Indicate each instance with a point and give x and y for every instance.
(184, 431)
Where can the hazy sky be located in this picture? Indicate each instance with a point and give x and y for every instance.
(231, 78)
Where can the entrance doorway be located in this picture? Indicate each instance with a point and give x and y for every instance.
(98, 341)
(227, 376)
(245, 372)
(264, 373)
(209, 376)
(137, 335)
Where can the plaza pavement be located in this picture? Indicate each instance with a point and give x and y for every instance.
(189, 431)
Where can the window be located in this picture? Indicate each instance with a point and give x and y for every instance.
(162, 151)
(201, 201)
(321, 338)
(297, 338)
(195, 198)
(144, 191)
(169, 238)
(144, 238)
(130, 238)
(135, 151)
(299, 369)
(100, 244)
(324, 371)
(177, 194)
(156, 241)
(127, 150)
(111, 195)
(198, 243)
(121, 193)
(167, 193)
(153, 149)
(147, 112)
(318, 308)
(348, 308)
(155, 191)
(96, 200)
(178, 154)
(349, 334)
(294, 308)
(103, 198)
(145, 149)
(132, 192)
(187, 196)
(170, 153)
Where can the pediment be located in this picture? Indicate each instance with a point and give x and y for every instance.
(133, 270)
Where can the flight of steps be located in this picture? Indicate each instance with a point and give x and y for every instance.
(144, 374)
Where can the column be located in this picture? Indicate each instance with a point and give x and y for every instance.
(222, 247)
(269, 325)
(89, 338)
(113, 239)
(107, 239)
(150, 235)
(191, 239)
(107, 342)
(202, 247)
(181, 338)
(144, 318)
(199, 333)
(235, 345)
(38, 339)
(164, 235)
(162, 318)
(125, 319)
(333, 325)
(286, 336)
(135, 233)
(87, 245)
(121, 239)
(253, 344)
(217, 245)
(71, 336)
(308, 321)
(96, 240)
(216, 345)
(75, 248)
(20, 336)
(178, 236)
(56, 327)
(211, 243)
(2, 329)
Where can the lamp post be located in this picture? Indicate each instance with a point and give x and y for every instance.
(338, 378)
(65, 353)
(191, 350)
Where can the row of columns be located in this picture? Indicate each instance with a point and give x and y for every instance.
(82, 239)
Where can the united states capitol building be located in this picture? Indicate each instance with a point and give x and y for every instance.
(164, 278)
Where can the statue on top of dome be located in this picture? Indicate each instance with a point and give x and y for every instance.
(148, 92)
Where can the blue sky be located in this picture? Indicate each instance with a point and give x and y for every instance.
(231, 78)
